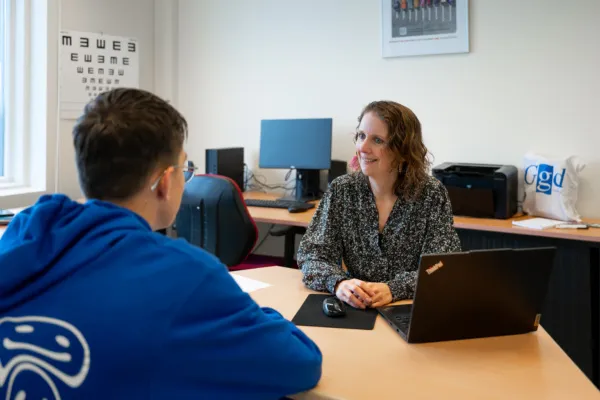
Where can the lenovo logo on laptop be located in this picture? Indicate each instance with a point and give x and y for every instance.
(434, 267)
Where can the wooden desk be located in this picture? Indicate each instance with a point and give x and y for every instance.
(572, 308)
(283, 217)
(379, 364)
(506, 226)
(278, 216)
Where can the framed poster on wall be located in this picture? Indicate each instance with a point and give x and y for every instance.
(423, 27)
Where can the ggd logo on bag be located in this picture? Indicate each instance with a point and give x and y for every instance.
(544, 177)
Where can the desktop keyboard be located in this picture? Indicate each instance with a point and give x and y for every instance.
(279, 204)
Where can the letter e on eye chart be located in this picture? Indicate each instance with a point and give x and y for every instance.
(92, 63)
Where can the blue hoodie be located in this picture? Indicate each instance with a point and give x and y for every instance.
(94, 305)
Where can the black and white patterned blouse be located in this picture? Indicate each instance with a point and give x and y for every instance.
(346, 226)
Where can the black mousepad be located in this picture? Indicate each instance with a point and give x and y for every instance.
(311, 314)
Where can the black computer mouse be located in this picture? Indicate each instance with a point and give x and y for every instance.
(293, 209)
(334, 307)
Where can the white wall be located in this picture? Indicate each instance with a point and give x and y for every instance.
(133, 18)
(166, 46)
(530, 81)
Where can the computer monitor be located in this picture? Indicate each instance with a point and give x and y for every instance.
(301, 144)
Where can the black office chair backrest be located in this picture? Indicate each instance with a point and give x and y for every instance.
(213, 216)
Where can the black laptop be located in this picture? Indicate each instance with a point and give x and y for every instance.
(475, 294)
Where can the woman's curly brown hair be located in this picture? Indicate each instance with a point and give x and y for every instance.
(405, 141)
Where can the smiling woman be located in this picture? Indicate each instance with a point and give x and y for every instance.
(381, 218)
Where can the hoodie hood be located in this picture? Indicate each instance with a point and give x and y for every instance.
(57, 229)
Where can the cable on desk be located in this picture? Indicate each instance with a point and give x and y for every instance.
(255, 182)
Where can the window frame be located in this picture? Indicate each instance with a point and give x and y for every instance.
(31, 101)
(2, 80)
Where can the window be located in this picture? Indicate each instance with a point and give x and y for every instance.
(2, 45)
(28, 99)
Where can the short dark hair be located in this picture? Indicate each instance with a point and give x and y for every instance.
(121, 138)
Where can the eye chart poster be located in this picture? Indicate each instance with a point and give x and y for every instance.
(92, 63)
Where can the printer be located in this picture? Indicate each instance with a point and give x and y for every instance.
(480, 190)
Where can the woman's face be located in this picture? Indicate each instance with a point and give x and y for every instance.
(374, 155)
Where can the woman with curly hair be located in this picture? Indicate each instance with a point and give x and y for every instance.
(371, 227)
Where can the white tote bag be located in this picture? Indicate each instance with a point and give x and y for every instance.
(551, 186)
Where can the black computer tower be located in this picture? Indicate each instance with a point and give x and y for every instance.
(337, 169)
(227, 162)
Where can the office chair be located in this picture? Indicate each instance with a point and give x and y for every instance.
(213, 216)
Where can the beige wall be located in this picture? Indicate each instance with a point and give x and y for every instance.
(134, 18)
(529, 83)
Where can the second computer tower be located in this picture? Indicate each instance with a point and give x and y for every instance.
(337, 169)
(227, 162)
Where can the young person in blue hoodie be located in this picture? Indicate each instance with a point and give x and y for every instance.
(95, 305)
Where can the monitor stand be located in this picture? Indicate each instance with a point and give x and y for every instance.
(308, 185)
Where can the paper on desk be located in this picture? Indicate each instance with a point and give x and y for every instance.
(538, 223)
(249, 285)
